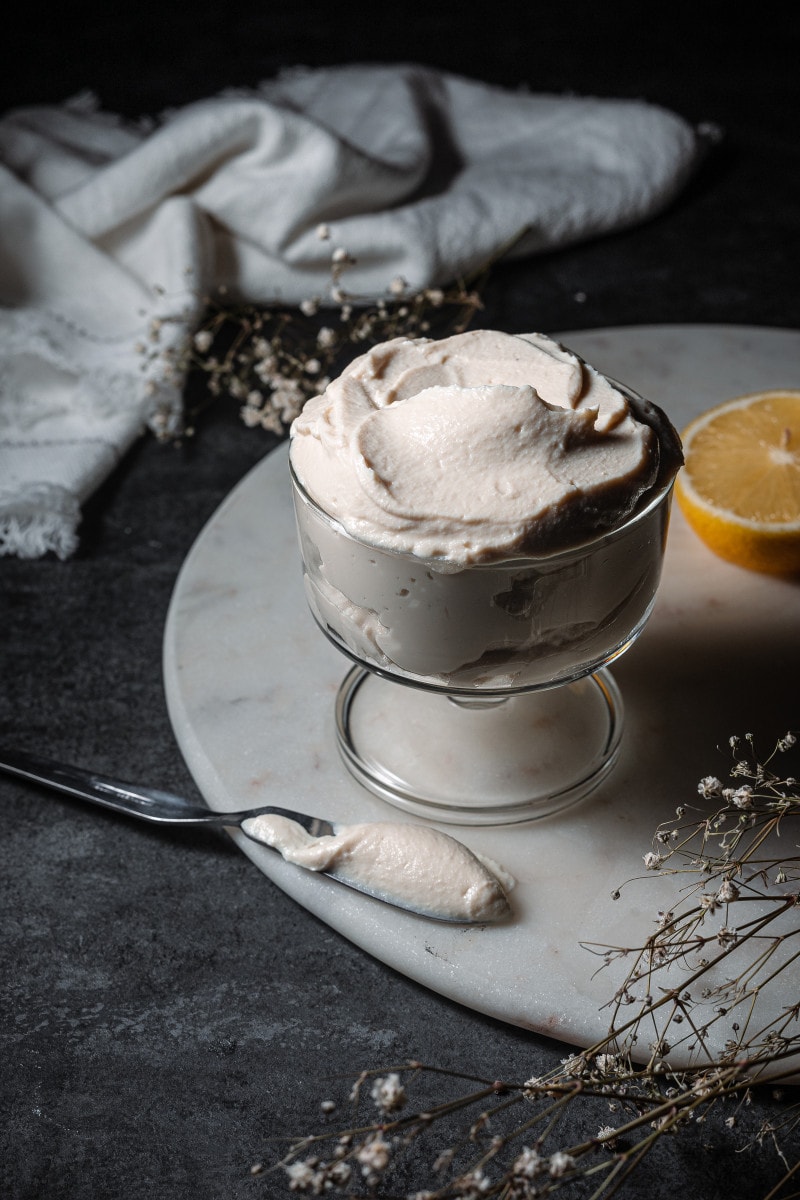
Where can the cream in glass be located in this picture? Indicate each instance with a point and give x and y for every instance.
(481, 515)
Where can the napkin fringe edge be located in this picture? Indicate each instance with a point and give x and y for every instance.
(38, 521)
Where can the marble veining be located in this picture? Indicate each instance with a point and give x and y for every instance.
(250, 685)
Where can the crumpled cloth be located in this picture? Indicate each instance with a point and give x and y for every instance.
(108, 227)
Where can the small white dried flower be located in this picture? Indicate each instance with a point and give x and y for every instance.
(786, 742)
(727, 936)
(443, 1160)
(323, 232)
(340, 255)
(607, 1134)
(531, 1088)
(265, 369)
(560, 1163)
(303, 1177)
(743, 796)
(652, 861)
(473, 1185)
(309, 307)
(374, 1155)
(709, 903)
(709, 785)
(478, 1126)
(528, 1163)
(250, 416)
(398, 286)
(328, 1106)
(287, 389)
(325, 337)
(388, 1093)
(271, 421)
(312, 366)
(337, 1175)
(728, 892)
(203, 340)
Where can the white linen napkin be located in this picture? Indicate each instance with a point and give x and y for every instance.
(107, 227)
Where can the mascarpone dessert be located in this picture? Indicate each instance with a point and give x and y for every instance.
(485, 510)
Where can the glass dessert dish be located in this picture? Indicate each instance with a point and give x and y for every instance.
(482, 523)
(481, 694)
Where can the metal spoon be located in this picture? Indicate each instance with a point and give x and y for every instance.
(150, 804)
(166, 808)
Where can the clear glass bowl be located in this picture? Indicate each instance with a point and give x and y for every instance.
(507, 711)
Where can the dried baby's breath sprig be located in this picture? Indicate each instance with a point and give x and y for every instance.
(706, 972)
(271, 360)
(690, 1031)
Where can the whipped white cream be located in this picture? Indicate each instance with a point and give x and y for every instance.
(477, 447)
(482, 511)
(412, 865)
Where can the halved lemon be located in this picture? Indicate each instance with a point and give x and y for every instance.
(740, 486)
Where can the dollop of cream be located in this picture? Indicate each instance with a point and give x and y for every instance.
(412, 865)
(478, 447)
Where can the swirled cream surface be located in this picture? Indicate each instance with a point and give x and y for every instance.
(476, 512)
(414, 866)
(477, 447)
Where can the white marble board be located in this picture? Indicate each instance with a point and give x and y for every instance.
(250, 685)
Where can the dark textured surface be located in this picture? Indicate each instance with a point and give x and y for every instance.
(166, 1010)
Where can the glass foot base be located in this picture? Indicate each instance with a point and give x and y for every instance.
(493, 761)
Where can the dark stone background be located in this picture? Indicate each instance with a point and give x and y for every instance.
(166, 1011)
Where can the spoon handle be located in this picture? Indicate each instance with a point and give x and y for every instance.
(151, 804)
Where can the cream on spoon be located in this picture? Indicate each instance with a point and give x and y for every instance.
(414, 866)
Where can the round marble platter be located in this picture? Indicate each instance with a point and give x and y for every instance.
(251, 682)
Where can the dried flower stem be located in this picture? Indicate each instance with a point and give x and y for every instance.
(513, 1157)
(272, 360)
